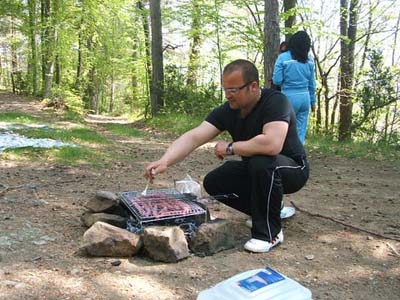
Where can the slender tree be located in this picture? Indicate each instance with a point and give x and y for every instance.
(217, 24)
(157, 71)
(14, 57)
(33, 63)
(348, 32)
(48, 43)
(92, 87)
(146, 30)
(54, 23)
(289, 7)
(1, 69)
(196, 40)
(272, 39)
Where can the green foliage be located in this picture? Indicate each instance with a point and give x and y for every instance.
(174, 123)
(184, 99)
(63, 155)
(72, 116)
(375, 94)
(11, 8)
(326, 146)
(16, 117)
(65, 99)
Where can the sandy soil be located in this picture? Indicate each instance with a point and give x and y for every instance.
(40, 229)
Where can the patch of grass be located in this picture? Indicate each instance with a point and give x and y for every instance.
(174, 123)
(63, 155)
(352, 149)
(72, 116)
(78, 155)
(16, 117)
(73, 135)
(124, 130)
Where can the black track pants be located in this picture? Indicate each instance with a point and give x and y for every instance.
(260, 182)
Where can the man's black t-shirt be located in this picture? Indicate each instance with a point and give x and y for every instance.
(273, 106)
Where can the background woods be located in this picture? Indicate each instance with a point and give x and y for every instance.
(146, 58)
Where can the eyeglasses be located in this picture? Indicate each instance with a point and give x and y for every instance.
(234, 91)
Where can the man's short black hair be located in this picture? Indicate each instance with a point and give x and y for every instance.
(248, 69)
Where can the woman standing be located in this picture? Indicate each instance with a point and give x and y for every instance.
(294, 72)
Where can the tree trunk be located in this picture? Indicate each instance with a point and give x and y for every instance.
(289, 6)
(157, 71)
(42, 39)
(348, 31)
(367, 35)
(48, 48)
(92, 88)
(79, 67)
(146, 31)
(112, 92)
(1, 69)
(57, 70)
(396, 33)
(33, 64)
(54, 22)
(14, 59)
(272, 40)
(324, 89)
(219, 50)
(335, 105)
(194, 55)
(92, 91)
(135, 71)
(392, 131)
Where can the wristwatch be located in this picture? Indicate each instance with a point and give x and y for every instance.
(229, 149)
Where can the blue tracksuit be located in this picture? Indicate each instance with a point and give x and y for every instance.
(297, 81)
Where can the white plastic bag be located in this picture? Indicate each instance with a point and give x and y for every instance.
(188, 185)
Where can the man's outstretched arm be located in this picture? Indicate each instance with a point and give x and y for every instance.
(182, 147)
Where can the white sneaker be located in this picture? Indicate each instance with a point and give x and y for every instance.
(287, 212)
(260, 246)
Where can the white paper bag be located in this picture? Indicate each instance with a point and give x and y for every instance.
(188, 185)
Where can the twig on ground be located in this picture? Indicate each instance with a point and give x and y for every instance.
(393, 249)
(15, 187)
(345, 224)
(4, 189)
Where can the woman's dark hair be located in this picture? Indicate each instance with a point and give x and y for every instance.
(299, 46)
(283, 47)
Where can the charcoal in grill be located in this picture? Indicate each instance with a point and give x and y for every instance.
(163, 207)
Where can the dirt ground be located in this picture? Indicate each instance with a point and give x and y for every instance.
(40, 229)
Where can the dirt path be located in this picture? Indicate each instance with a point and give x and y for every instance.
(40, 230)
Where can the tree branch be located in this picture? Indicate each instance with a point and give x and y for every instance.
(345, 224)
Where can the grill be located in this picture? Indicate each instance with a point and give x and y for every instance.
(163, 207)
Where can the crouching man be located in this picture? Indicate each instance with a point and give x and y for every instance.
(263, 130)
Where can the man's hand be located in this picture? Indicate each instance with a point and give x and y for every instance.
(155, 168)
(220, 149)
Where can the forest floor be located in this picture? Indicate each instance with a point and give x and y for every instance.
(40, 228)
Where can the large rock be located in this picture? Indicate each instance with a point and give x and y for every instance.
(103, 201)
(90, 218)
(167, 244)
(214, 237)
(103, 239)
